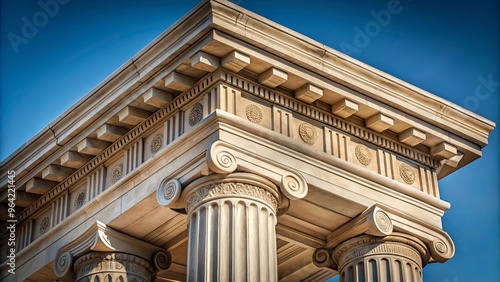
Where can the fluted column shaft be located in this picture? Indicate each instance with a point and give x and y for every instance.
(391, 258)
(107, 266)
(232, 234)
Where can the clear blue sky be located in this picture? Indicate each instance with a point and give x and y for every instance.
(445, 47)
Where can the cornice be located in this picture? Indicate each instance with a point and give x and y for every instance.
(341, 68)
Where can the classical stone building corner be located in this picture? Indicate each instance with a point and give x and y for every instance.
(223, 152)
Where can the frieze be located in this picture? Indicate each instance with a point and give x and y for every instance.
(330, 119)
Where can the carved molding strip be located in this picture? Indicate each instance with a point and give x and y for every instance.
(230, 189)
(330, 119)
(236, 185)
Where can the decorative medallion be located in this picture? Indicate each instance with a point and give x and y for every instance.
(80, 199)
(254, 114)
(44, 225)
(156, 143)
(406, 173)
(116, 174)
(363, 154)
(307, 133)
(196, 114)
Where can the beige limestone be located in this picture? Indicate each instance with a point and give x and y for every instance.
(350, 157)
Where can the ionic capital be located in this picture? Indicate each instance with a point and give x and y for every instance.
(225, 158)
(381, 221)
(102, 239)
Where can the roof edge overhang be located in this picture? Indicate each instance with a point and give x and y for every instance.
(258, 31)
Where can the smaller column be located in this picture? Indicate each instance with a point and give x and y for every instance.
(107, 266)
(367, 258)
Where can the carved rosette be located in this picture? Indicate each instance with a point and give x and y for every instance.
(156, 143)
(44, 225)
(80, 199)
(307, 133)
(253, 113)
(112, 267)
(363, 154)
(396, 255)
(407, 174)
(116, 174)
(168, 192)
(196, 114)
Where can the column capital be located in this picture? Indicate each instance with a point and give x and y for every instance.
(241, 185)
(223, 158)
(101, 238)
(381, 221)
(400, 244)
(396, 257)
(113, 267)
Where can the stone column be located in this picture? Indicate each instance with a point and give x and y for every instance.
(232, 235)
(368, 258)
(107, 266)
